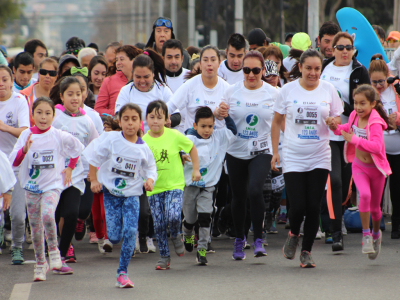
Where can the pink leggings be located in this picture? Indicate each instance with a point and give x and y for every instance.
(370, 183)
(41, 212)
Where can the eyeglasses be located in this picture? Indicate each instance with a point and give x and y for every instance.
(380, 82)
(247, 70)
(163, 22)
(73, 51)
(44, 72)
(341, 47)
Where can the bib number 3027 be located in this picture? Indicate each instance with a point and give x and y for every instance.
(307, 114)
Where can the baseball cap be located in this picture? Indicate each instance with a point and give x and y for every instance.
(257, 36)
(393, 35)
(301, 41)
(271, 68)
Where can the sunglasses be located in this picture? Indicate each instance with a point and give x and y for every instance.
(247, 70)
(44, 72)
(341, 47)
(163, 22)
(73, 51)
(376, 82)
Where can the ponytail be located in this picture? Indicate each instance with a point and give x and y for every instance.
(154, 62)
(294, 73)
(377, 64)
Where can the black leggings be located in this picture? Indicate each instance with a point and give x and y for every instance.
(247, 177)
(85, 206)
(68, 208)
(305, 191)
(394, 187)
(340, 180)
(144, 215)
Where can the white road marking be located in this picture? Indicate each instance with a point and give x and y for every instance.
(21, 291)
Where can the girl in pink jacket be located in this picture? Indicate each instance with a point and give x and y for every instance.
(365, 148)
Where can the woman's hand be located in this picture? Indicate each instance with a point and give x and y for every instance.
(347, 136)
(275, 160)
(330, 121)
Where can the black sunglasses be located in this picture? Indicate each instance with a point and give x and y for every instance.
(341, 47)
(247, 70)
(44, 72)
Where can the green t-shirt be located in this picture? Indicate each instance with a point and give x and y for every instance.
(169, 165)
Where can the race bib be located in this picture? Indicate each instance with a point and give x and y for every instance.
(259, 145)
(43, 159)
(123, 166)
(307, 114)
(362, 133)
(278, 184)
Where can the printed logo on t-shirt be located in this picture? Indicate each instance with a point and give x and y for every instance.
(208, 102)
(34, 173)
(203, 171)
(120, 183)
(9, 121)
(249, 104)
(323, 103)
(197, 100)
(252, 119)
(238, 103)
(333, 78)
(266, 105)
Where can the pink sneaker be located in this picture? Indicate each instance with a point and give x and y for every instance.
(64, 270)
(92, 238)
(123, 281)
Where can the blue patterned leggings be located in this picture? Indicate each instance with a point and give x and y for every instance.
(122, 215)
(166, 208)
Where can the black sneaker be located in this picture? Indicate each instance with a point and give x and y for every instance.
(337, 239)
(80, 230)
(201, 257)
(188, 241)
(143, 245)
(210, 249)
(289, 249)
(306, 260)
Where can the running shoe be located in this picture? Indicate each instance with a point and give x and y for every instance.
(123, 280)
(259, 250)
(188, 241)
(55, 260)
(163, 263)
(28, 235)
(64, 270)
(289, 249)
(377, 247)
(328, 238)
(40, 271)
(150, 245)
(302, 229)
(92, 238)
(178, 245)
(264, 236)
(70, 257)
(238, 250)
(246, 245)
(7, 235)
(287, 226)
(17, 256)
(281, 219)
(108, 246)
(210, 248)
(80, 230)
(100, 244)
(201, 257)
(272, 229)
(143, 245)
(137, 245)
(344, 229)
(222, 224)
(367, 245)
(337, 239)
(318, 236)
(306, 260)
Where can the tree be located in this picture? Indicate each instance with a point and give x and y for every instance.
(10, 10)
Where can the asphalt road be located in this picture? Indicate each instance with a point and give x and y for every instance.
(346, 275)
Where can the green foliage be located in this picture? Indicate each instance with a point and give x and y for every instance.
(9, 10)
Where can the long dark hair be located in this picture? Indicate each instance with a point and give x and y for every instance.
(259, 56)
(154, 62)
(295, 72)
(98, 59)
(60, 86)
(130, 51)
(197, 71)
(135, 107)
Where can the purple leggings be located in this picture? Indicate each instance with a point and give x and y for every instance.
(370, 183)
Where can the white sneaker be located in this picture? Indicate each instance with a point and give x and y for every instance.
(55, 260)
(377, 247)
(319, 234)
(7, 235)
(107, 246)
(302, 229)
(344, 230)
(150, 245)
(100, 243)
(40, 271)
(28, 236)
(137, 245)
(367, 245)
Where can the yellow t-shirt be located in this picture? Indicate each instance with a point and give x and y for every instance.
(169, 165)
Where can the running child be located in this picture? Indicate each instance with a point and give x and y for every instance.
(166, 198)
(41, 152)
(124, 160)
(198, 196)
(365, 148)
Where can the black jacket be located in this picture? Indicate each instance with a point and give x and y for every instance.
(359, 75)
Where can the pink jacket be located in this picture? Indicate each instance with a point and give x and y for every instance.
(374, 145)
(109, 92)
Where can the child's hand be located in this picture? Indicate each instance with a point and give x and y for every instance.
(27, 145)
(347, 136)
(196, 176)
(67, 179)
(6, 201)
(185, 158)
(330, 121)
(148, 185)
(95, 186)
(275, 159)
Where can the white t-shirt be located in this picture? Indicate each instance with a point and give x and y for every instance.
(392, 138)
(212, 153)
(7, 177)
(230, 76)
(123, 165)
(83, 129)
(174, 83)
(14, 112)
(252, 111)
(193, 94)
(95, 117)
(41, 169)
(288, 63)
(306, 142)
(340, 78)
(130, 94)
